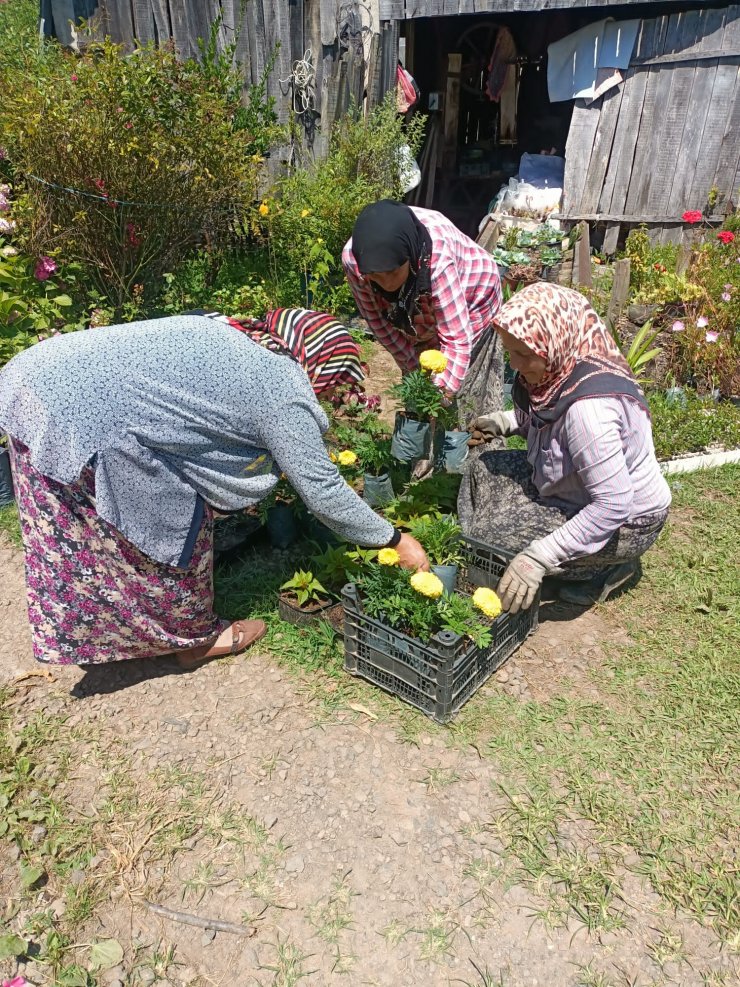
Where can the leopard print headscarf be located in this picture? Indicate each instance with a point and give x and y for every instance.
(562, 328)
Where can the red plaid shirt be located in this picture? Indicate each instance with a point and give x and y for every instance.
(465, 296)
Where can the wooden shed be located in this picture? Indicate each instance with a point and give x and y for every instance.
(663, 140)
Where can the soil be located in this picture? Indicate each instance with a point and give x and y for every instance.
(366, 866)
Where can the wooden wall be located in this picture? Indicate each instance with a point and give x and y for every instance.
(654, 147)
(408, 9)
(338, 32)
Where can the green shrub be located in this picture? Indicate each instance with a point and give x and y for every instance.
(309, 215)
(156, 150)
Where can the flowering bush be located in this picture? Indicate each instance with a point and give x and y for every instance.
(31, 303)
(126, 132)
(415, 604)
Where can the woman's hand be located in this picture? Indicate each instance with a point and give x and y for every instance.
(411, 553)
(489, 426)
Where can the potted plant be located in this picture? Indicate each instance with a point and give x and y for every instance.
(422, 402)
(374, 456)
(440, 538)
(6, 478)
(452, 448)
(303, 599)
(279, 512)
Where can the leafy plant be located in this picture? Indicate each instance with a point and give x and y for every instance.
(335, 567)
(694, 427)
(640, 353)
(432, 496)
(386, 593)
(374, 454)
(440, 538)
(305, 588)
(419, 395)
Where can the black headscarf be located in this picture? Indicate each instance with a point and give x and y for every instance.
(385, 236)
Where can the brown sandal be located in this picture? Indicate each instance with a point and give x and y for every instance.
(243, 634)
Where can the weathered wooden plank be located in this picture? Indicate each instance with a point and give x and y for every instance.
(583, 126)
(602, 217)
(651, 139)
(121, 23)
(619, 169)
(451, 109)
(607, 107)
(180, 22)
(611, 238)
(728, 161)
(297, 43)
(690, 148)
(162, 23)
(329, 14)
(674, 86)
(582, 258)
(143, 16)
(718, 112)
(620, 292)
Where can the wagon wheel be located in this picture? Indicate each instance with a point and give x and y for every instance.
(475, 45)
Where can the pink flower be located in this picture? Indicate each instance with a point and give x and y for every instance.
(15, 982)
(128, 125)
(4, 204)
(692, 216)
(726, 236)
(73, 77)
(702, 321)
(726, 296)
(119, 109)
(729, 287)
(678, 326)
(44, 268)
(3, 154)
(711, 336)
(6, 225)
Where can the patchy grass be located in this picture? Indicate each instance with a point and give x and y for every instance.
(649, 771)
(10, 525)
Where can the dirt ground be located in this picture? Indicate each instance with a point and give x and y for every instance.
(361, 859)
(359, 853)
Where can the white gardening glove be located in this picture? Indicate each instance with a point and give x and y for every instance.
(523, 577)
(491, 425)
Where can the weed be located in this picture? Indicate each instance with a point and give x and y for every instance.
(668, 948)
(588, 976)
(10, 525)
(437, 779)
(395, 932)
(437, 938)
(289, 966)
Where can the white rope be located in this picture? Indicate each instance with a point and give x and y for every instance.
(303, 81)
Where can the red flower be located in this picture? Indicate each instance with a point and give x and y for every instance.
(660, 268)
(692, 216)
(726, 236)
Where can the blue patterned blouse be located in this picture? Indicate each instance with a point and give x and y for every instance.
(173, 413)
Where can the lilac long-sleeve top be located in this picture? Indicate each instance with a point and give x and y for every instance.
(598, 457)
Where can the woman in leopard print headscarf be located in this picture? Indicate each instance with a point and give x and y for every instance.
(587, 498)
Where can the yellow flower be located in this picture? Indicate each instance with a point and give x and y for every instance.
(427, 584)
(333, 457)
(305, 212)
(264, 209)
(433, 361)
(487, 601)
(388, 556)
(347, 458)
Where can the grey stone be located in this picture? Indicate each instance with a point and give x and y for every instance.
(208, 936)
(146, 976)
(294, 864)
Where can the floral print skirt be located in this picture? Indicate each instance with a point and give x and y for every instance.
(93, 597)
(501, 506)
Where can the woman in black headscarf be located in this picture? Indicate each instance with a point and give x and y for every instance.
(422, 284)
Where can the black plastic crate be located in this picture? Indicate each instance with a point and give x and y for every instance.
(439, 677)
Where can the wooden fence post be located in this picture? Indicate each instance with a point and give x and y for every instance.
(620, 292)
(451, 111)
(582, 265)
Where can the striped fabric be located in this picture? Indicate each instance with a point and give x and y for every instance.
(322, 346)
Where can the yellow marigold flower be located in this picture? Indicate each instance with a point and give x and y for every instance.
(305, 212)
(264, 209)
(388, 556)
(433, 361)
(347, 458)
(427, 584)
(333, 457)
(487, 601)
